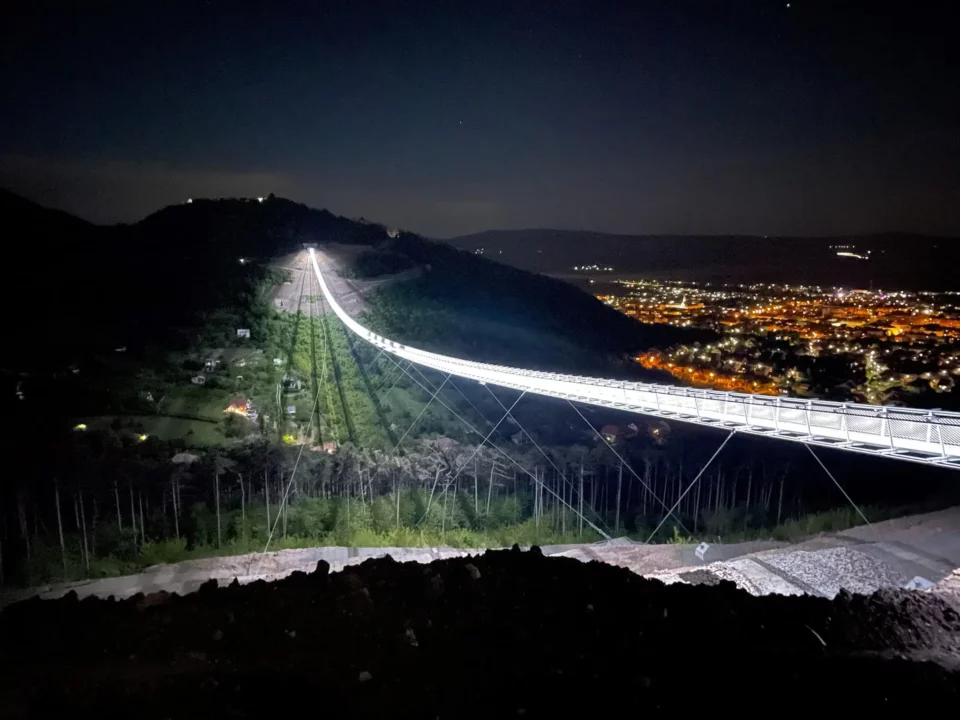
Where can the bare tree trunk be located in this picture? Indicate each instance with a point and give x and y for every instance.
(143, 533)
(746, 511)
(216, 501)
(116, 495)
(93, 528)
(282, 508)
(443, 519)
(243, 508)
(436, 478)
(580, 518)
(536, 498)
(63, 547)
(696, 509)
(780, 501)
(133, 514)
(83, 527)
(616, 522)
(490, 488)
(266, 497)
(176, 506)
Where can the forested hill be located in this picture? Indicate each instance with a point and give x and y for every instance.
(155, 284)
(81, 288)
(465, 304)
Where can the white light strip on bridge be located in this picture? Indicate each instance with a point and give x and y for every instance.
(925, 436)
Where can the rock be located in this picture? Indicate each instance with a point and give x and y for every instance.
(209, 586)
(351, 581)
(322, 569)
(472, 571)
(434, 588)
(153, 599)
(364, 676)
(217, 635)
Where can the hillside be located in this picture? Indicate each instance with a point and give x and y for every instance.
(157, 285)
(149, 432)
(466, 304)
(896, 260)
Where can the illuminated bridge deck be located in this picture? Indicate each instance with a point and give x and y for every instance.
(925, 436)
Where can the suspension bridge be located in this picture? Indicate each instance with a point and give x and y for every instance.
(923, 436)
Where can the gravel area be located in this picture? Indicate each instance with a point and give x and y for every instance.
(829, 571)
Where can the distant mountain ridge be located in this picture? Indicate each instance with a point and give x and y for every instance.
(895, 259)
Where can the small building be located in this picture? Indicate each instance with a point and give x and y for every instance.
(211, 364)
(330, 447)
(243, 332)
(239, 405)
(291, 409)
(290, 384)
(198, 380)
(277, 362)
(610, 433)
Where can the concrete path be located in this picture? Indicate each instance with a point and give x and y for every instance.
(887, 555)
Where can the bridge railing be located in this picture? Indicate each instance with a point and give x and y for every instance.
(911, 434)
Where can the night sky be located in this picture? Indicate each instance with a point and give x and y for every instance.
(732, 116)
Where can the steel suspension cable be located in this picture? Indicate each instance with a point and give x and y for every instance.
(690, 486)
(830, 475)
(549, 459)
(627, 466)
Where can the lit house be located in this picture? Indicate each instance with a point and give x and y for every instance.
(240, 405)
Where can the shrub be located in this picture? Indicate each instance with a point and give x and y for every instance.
(163, 552)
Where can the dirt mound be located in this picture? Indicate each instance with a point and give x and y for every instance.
(505, 634)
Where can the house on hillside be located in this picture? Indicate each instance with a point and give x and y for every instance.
(239, 405)
(610, 433)
(198, 379)
(243, 332)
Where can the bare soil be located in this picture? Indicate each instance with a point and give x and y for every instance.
(505, 634)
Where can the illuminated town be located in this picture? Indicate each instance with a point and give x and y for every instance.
(806, 341)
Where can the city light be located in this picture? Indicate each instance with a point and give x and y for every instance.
(774, 334)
